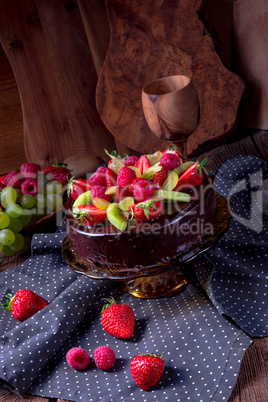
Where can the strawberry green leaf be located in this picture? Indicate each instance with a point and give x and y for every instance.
(113, 154)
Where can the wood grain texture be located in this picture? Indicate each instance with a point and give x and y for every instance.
(156, 38)
(12, 153)
(56, 77)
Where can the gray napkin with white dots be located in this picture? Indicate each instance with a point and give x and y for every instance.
(203, 350)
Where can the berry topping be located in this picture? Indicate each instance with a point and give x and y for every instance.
(98, 178)
(125, 176)
(78, 358)
(147, 210)
(104, 357)
(30, 170)
(77, 187)
(29, 186)
(192, 177)
(90, 214)
(99, 192)
(169, 161)
(111, 177)
(118, 319)
(160, 178)
(143, 163)
(143, 190)
(130, 160)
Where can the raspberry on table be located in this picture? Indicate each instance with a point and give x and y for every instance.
(104, 357)
(78, 358)
(169, 161)
(29, 186)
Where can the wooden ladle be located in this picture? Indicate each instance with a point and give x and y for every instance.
(171, 109)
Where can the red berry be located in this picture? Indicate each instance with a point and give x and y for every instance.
(30, 170)
(99, 192)
(131, 187)
(143, 163)
(13, 179)
(77, 187)
(111, 177)
(192, 177)
(123, 192)
(147, 210)
(104, 357)
(2, 178)
(24, 304)
(130, 161)
(98, 178)
(172, 150)
(61, 174)
(147, 370)
(143, 190)
(169, 161)
(118, 319)
(90, 214)
(125, 176)
(29, 186)
(78, 358)
(160, 177)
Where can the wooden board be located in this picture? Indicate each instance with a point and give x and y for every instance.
(47, 47)
(156, 38)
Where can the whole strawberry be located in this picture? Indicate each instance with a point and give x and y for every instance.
(147, 370)
(24, 304)
(118, 319)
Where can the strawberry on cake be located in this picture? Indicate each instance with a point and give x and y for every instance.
(139, 212)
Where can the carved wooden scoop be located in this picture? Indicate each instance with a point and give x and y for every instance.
(171, 109)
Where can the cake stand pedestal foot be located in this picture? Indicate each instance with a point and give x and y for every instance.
(160, 285)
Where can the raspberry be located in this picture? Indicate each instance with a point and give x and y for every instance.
(122, 192)
(131, 187)
(169, 161)
(30, 170)
(13, 179)
(130, 161)
(99, 192)
(98, 178)
(160, 177)
(143, 190)
(29, 186)
(125, 176)
(104, 357)
(78, 358)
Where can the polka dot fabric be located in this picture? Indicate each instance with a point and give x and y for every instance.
(202, 350)
(237, 279)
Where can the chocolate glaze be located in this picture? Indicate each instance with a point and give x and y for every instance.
(148, 243)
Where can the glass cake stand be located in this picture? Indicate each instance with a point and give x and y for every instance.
(156, 281)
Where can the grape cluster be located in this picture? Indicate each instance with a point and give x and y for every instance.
(19, 210)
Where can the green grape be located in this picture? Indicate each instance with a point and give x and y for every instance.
(8, 251)
(26, 216)
(13, 210)
(53, 187)
(27, 201)
(41, 203)
(7, 237)
(19, 194)
(1, 247)
(15, 225)
(18, 243)
(8, 196)
(4, 220)
(54, 201)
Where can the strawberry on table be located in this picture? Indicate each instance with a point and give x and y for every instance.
(147, 210)
(90, 214)
(147, 370)
(24, 304)
(77, 187)
(118, 320)
(192, 177)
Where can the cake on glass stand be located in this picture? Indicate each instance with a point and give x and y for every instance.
(147, 261)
